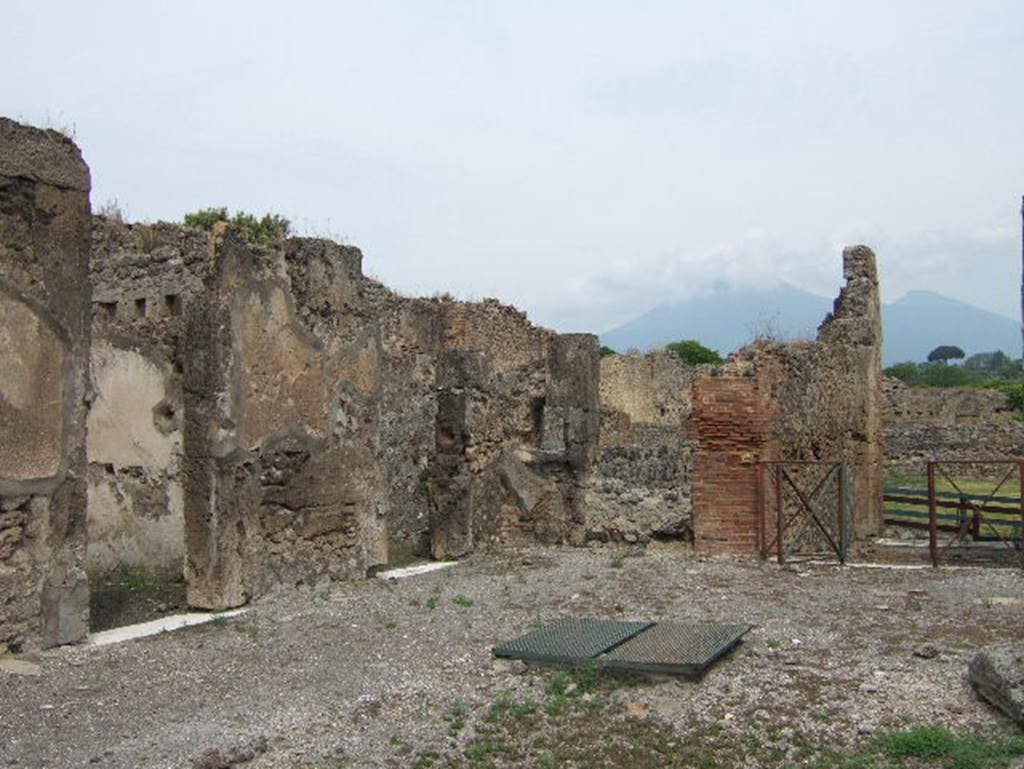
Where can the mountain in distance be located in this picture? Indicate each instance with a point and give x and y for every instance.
(912, 326)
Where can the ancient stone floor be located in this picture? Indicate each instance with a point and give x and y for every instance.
(378, 674)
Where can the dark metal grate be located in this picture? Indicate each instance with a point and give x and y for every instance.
(570, 640)
(681, 649)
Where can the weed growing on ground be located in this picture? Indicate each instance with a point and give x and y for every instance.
(939, 745)
(462, 600)
(568, 730)
(456, 717)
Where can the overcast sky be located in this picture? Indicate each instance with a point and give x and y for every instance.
(583, 161)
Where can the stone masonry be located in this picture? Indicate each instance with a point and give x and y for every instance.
(935, 423)
(641, 482)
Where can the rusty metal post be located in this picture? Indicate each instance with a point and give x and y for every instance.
(762, 512)
(840, 513)
(1020, 490)
(780, 523)
(933, 517)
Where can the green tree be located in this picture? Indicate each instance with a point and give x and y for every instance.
(693, 352)
(987, 362)
(945, 352)
(605, 351)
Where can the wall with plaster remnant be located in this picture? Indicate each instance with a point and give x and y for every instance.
(44, 348)
(143, 276)
(281, 425)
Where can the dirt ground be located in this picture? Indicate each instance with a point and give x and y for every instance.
(400, 674)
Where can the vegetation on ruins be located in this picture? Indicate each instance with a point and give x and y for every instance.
(692, 352)
(264, 231)
(605, 351)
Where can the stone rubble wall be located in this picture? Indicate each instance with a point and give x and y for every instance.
(273, 415)
(934, 423)
(44, 387)
(641, 483)
(417, 334)
(514, 447)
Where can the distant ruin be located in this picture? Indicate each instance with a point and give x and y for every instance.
(257, 415)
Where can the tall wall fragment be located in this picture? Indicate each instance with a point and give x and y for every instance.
(282, 389)
(807, 400)
(44, 387)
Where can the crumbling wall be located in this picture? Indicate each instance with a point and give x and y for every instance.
(44, 387)
(143, 277)
(286, 411)
(468, 388)
(807, 400)
(642, 478)
(935, 423)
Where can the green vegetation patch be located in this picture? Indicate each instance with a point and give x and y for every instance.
(264, 231)
(693, 353)
(584, 731)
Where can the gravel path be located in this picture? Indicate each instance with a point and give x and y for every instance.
(367, 674)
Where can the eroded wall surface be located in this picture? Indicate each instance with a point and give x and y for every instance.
(815, 400)
(641, 485)
(44, 348)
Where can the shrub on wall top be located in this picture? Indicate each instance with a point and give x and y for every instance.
(693, 352)
(264, 231)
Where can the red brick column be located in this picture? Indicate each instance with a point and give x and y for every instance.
(733, 420)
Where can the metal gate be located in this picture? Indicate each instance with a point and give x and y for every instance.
(806, 508)
(980, 516)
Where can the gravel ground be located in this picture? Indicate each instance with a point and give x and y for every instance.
(377, 674)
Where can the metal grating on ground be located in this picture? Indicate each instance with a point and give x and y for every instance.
(678, 649)
(673, 648)
(570, 640)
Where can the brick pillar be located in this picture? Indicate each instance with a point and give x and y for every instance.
(733, 421)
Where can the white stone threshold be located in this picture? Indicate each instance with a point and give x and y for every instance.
(162, 625)
(923, 544)
(412, 571)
